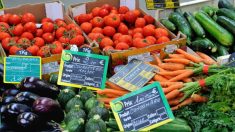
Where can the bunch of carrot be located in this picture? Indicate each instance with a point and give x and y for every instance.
(110, 93)
(173, 74)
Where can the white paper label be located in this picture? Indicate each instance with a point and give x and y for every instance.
(38, 25)
(129, 3)
(223, 59)
(54, 10)
(146, 57)
(170, 48)
(74, 48)
(50, 67)
(81, 9)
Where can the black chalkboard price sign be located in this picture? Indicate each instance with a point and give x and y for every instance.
(156, 4)
(142, 110)
(79, 69)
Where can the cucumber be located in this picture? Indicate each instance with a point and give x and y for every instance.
(225, 4)
(214, 29)
(214, 17)
(222, 50)
(181, 24)
(197, 28)
(170, 127)
(227, 23)
(178, 10)
(226, 12)
(168, 24)
(209, 10)
(204, 45)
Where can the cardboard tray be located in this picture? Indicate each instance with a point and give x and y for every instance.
(120, 57)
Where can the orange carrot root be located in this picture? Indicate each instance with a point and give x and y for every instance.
(106, 100)
(157, 59)
(181, 61)
(179, 77)
(172, 73)
(187, 80)
(167, 84)
(173, 87)
(160, 78)
(114, 86)
(172, 66)
(184, 103)
(107, 106)
(198, 98)
(173, 94)
(206, 59)
(189, 56)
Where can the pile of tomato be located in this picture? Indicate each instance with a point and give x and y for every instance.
(121, 28)
(43, 39)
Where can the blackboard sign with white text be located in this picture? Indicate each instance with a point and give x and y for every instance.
(79, 69)
(142, 110)
(156, 4)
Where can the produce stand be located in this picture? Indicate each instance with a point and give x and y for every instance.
(108, 66)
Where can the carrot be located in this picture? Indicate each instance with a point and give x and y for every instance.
(172, 66)
(157, 67)
(167, 84)
(114, 86)
(111, 91)
(198, 98)
(112, 95)
(179, 77)
(187, 80)
(173, 87)
(160, 78)
(157, 59)
(206, 59)
(173, 102)
(107, 106)
(184, 103)
(106, 100)
(176, 60)
(172, 94)
(176, 56)
(189, 56)
(172, 73)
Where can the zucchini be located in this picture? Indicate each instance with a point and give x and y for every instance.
(168, 24)
(222, 50)
(79, 113)
(101, 111)
(209, 10)
(112, 123)
(227, 23)
(85, 95)
(74, 102)
(95, 124)
(53, 78)
(91, 103)
(76, 125)
(204, 45)
(171, 127)
(181, 24)
(225, 4)
(64, 96)
(226, 12)
(214, 29)
(197, 28)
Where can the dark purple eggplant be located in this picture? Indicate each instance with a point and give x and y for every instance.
(26, 98)
(48, 109)
(50, 127)
(3, 111)
(39, 87)
(28, 121)
(13, 110)
(8, 100)
(10, 92)
(5, 128)
(4, 87)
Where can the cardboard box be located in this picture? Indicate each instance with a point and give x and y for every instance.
(120, 57)
(53, 10)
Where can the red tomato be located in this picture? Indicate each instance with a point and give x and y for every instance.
(30, 27)
(142, 43)
(106, 42)
(7, 43)
(103, 12)
(82, 18)
(38, 41)
(33, 49)
(140, 22)
(61, 24)
(64, 40)
(97, 30)
(24, 42)
(17, 30)
(123, 29)
(44, 51)
(61, 31)
(148, 31)
(75, 31)
(149, 19)
(109, 31)
(130, 17)
(162, 39)
(86, 27)
(28, 17)
(4, 27)
(56, 48)
(159, 32)
(48, 37)
(39, 32)
(58, 19)
(151, 39)
(126, 38)
(48, 27)
(4, 35)
(108, 48)
(27, 35)
(123, 9)
(112, 20)
(138, 35)
(95, 11)
(97, 22)
(122, 46)
(113, 11)
(58, 43)
(137, 12)
(78, 40)
(96, 36)
(122, 17)
(5, 17)
(46, 19)
(70, 26)
(138, 30)
(14, 49)
(116, 36)
(107, 7)
(14, 19)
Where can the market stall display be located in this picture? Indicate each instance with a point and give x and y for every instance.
(141, 77)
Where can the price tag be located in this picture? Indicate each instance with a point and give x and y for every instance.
(79, 69)
(17, 68)
(157, 4)
(142, 110)
(23, 53)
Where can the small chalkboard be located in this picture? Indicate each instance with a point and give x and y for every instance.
(142, 110)
(17, 68)
(79, 69)
(85, 49)
(23, 53)
(134, 75)
(156, 4)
